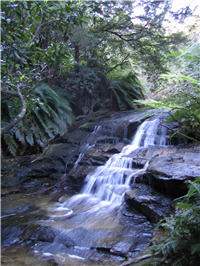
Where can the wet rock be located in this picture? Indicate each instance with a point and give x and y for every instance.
(78, 137)
(10, 236)
(131, 129)
(168, 168)
(139, 260)
(110, 140)
(151, 212)
(33, 172)
(172, 167)
(39, 233)
(6, 191)
(154, 208)
(15, 177)
(105, 247)
(63, 238)
(96, 162)
(86, 238)
(16, 210)
(95, 153)
(60, 158)
(113, 148)
(121, 248)
(77, 175)
(47, 234)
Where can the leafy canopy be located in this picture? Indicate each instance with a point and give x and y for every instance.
(180, 95)
(34, 48)
(44, 41)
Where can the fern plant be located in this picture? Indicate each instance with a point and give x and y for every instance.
(182, 102)
(126, 88)
(180, 94)
(48, 114)
(181, 243)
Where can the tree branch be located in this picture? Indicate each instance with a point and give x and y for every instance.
(8, 74)
(37, 30)
(32, 89)
(20, 115)
(120, 64)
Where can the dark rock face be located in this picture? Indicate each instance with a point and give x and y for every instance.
(154, 207)
(96, 140)
(170, 167)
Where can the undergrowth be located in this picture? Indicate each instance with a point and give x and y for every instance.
(48, 114)
(180, 244)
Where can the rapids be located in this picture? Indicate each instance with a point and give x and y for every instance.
(95, 226)
(105, 186)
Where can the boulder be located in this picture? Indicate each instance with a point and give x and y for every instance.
(113, 148)
(168, 167)
(154, 208)
(173, 167)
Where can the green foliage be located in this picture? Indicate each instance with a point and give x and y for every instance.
(134, 32)
(180, 95)
(41, 40)
(181, 243)
(91, 90)
(83, 84)
(49, 116)
(33, 33)
(126, 87)
(34, 48)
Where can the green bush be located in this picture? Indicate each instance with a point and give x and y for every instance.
(179, 94)
(126, 87)
(180, 245)
(92, 90)
(48, 114)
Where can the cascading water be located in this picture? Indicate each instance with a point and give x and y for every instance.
(105, 187)
(98, 226)
(107, 184)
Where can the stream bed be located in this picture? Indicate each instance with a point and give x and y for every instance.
(34, 232)
(117, 189)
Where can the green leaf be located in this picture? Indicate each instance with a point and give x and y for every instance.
(195, 248)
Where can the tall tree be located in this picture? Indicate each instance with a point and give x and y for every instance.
(117, 37)
(142, 38)
(34, 46)
(43, 39)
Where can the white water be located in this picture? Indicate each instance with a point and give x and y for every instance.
(106, 186)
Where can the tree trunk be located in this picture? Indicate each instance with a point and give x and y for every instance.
(76, 53)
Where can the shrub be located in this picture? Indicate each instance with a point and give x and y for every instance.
(180, 245)
(48, 114)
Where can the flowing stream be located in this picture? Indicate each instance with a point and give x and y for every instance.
(93, 217)
(105, 186)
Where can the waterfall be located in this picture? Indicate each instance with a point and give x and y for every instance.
(107, 184)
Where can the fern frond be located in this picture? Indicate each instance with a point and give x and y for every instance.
(19, 135)
(11, 143)
(29, 135)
